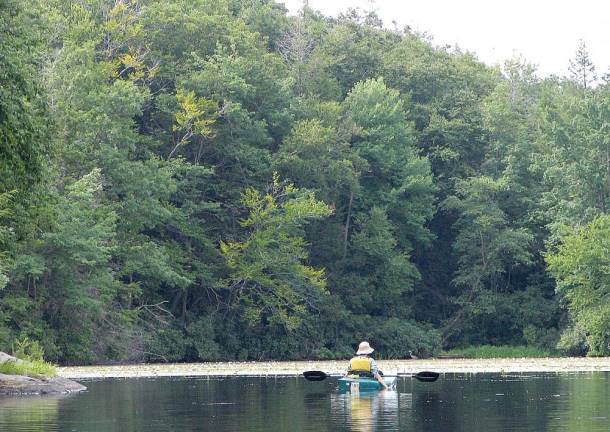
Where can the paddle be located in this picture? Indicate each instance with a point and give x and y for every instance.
(420, 376)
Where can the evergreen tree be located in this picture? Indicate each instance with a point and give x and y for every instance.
(582, 69)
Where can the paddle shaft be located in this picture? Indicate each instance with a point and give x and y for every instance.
(420, 376)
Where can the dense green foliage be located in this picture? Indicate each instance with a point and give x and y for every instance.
(581, 266)
(206, 180)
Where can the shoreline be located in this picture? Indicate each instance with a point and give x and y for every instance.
(295, 368)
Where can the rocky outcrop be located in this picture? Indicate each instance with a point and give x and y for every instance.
(25, 385)
(4, 357)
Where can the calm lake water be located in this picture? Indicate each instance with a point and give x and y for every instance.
(485, 402)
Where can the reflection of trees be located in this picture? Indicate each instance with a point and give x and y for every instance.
(201, 404)
(35, 413)
(587, 403)
(484, 402)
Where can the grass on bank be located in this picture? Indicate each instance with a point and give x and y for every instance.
(35, 368)
(31, 361)
(505, 351)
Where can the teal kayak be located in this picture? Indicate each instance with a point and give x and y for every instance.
(355, 384)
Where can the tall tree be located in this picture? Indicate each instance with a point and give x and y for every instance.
(395, 202)
(582, 69)
(22, 109)
(489, 250)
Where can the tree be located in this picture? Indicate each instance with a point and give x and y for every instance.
(22, 110)
(574, 151)
(5, 237)
(582, 69)
(352, 50)
(489, 249)
(398, 179)
(269, 278)
(579, 264)
(68, 275)
(392, 207)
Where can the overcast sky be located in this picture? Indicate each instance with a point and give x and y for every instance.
(545, 32)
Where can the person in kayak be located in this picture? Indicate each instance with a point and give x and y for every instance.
(363, 365)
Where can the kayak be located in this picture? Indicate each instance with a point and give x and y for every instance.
(357, 384)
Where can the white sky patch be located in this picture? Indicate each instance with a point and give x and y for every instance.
(545, 32)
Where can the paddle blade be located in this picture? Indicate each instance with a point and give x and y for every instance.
(314, 375)
(426, 376)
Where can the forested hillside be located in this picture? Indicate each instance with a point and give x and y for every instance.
(215, 179)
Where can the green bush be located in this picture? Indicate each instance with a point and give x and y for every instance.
(545, 338)
(29, 368)
(26, 349)
(324, 354)
(201, 333)
(32, 361)
(394, 338)
(166, 345)
(504, 351)
(573, 341)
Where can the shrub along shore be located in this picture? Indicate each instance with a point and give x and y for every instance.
(295, 368)
(32, 376)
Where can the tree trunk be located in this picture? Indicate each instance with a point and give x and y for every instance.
(184, 297)
(607, 194)
(347, 221)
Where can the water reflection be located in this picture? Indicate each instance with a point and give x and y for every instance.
(484, 402)
(367, 411)
(31, 414)
(581, 404)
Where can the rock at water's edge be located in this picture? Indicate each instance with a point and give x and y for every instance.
(25, 385)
